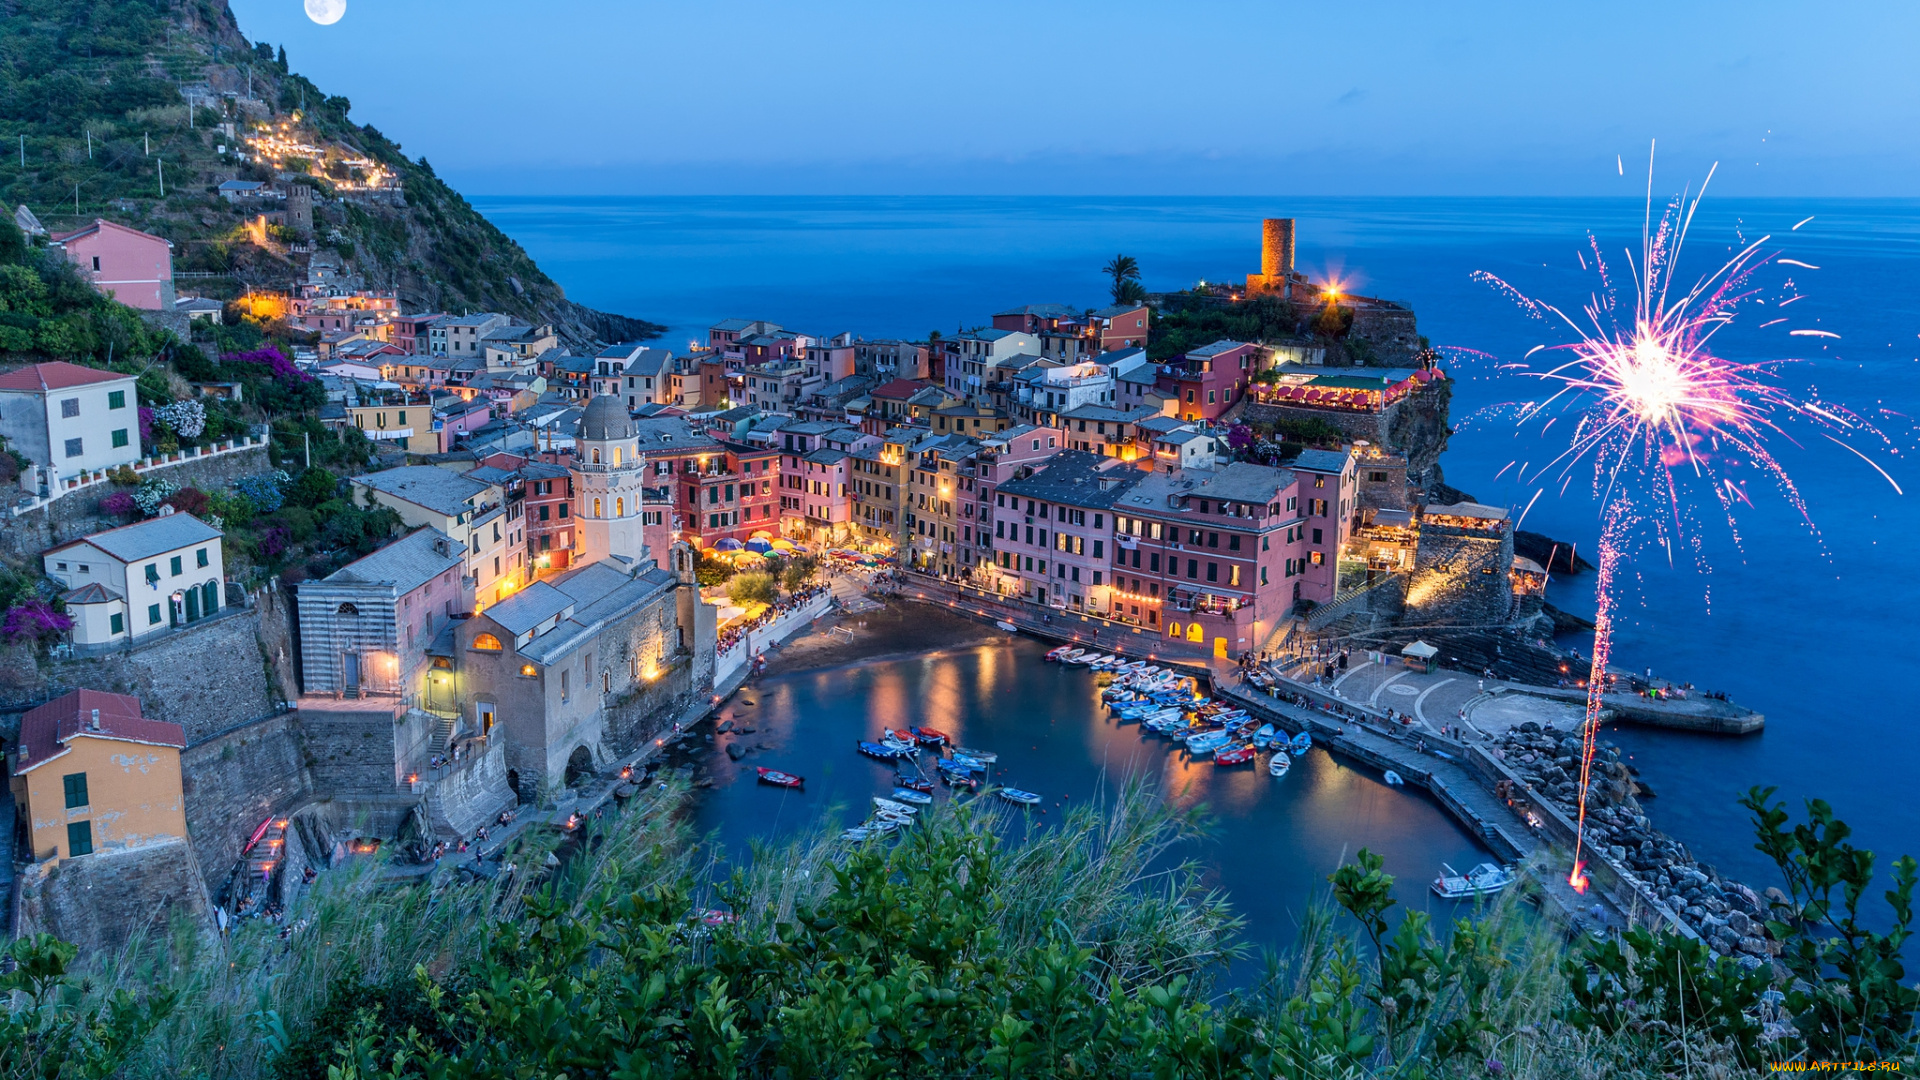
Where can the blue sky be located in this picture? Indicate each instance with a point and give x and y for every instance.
(1123, 97)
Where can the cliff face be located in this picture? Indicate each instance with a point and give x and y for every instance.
(117, 97)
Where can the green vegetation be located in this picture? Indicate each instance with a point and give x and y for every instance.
(1076, 952)
(1125, 272)
(1187, 322)
(96, 89)
(752, 588)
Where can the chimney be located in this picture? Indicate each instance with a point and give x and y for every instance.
(94, 723)
(1276, 250)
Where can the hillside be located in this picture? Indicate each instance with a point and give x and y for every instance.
(104, 101)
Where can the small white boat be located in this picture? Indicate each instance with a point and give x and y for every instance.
(1280, 764)
(986, 756)
(1025, 798)
(908, 795)
(1007, 626)
(898, 740)
(1393, 779)
(891, 807)
(1071, 655)
(1482, 880)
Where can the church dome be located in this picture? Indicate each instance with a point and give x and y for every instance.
(605, 420)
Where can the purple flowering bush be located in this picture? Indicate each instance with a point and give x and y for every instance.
(273, 360)
(34, 620)
(119, 504)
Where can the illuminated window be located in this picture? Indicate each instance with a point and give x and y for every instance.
(616, 455)
(619, 505)
(596, 508)
(487, 643)
(527, 671)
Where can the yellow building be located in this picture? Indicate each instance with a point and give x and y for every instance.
(398, 424)
(92, 774)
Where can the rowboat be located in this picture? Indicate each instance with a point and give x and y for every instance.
(1482, 880)
(927, 736)
(1057, 652)
(888, 806)
(1239, 755)
(877, 750)
(1025, 798)
(899, 740)
(1206, 743)
(1393, 778)
(1301, 743)
(1007, 626)
(987, 756)
(1280, 764)
(908, 795)
(913, 783)
(1264, 736)
(778, 778)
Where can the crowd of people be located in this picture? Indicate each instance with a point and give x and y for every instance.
(737, 633)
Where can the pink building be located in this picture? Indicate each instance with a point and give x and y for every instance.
(1206, 382)
(133, 267)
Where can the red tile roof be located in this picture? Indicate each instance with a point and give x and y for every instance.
(44, 731)
(58, 375)
(900, 388)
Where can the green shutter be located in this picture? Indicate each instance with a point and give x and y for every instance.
(117, 622)
(79, 839)
(153, 614)
(116, 399)
(200, 557)
(76, 789)
(173, 565)
(120, 437)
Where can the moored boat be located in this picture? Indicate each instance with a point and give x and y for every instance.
(908, 795)
(1301, 743)
(889, 806)
(1057, 652)
(1264, 736)
(778, 778)
(878, 750)
(899, 740)
(927, 736)
(1007, 626)
(1392, 778)
(1025, 798)
(1239, 755)
(913, 783)
(986, 756)
(1280, 764)
(1482, 880)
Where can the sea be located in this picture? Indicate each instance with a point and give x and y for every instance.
(1799, 603)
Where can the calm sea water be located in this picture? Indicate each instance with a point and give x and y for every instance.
(1272, 842)
(1810, 625)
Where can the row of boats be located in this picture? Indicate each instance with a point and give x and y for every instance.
(912, 751)
(1165, 702)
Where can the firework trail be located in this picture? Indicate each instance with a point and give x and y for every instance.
(1652, 405)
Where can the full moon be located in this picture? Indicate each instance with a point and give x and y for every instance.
(326, 12)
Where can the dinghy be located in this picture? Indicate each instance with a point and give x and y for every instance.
(1482, 880)
(778, 778)
(1393, 778)
(1280, 764)
(1025, 798)
(908, 795)
(1239, 755)
(877, 750)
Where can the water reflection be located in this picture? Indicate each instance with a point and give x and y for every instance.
(1272, 842)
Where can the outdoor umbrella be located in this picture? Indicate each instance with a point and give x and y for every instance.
(758, 544)
(727, 544)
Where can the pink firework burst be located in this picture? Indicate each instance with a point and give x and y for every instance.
(1658, 414)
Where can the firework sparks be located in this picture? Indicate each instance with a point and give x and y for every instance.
(1654, 407)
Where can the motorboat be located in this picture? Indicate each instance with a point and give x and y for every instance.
(899, 740)
(1392, 778)
(1264, 736)
(880, 751)
(1070, 655)
(1280, 764)
(908, 795)
(889, 806)
(1206, 743)
(1239, 755)
(961, 780)
(1057, 652)
(1301, 743)
(1025, 798)
(987, 756)
(913, 783)
(778, 778)
(1482, 880)
(960, 767)
(927, 736)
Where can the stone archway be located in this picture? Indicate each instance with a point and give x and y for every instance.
(579, 765)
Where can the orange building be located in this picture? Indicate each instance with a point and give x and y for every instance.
(92, 774)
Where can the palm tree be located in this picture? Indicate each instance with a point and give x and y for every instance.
(1122, 269)
(1129, 291)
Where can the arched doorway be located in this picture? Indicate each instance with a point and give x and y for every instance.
(579, 765)
(513, 781)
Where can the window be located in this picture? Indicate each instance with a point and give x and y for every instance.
(1213, 571)
(76, 789)
(1193, 568)
(116, 399)
(74, 448)
(565, 692)
(117, 623)
(200, 557)
(528, 671)
(153, 614)
(1316, 536)
(563, 511)
(173, 566)
(119, 437)
(487, 643)
(70, 407)
(1233, 541)
(80, 833)
(596, 508)
(619, 507)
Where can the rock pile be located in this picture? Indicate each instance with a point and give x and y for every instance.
(1729, 916)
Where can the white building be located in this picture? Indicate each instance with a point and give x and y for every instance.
(140, 579)
(609, 479)
(470, 511)
(70, 418)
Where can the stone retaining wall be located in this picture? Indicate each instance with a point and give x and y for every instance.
(100, 901)
(234, 781)
(78, 514)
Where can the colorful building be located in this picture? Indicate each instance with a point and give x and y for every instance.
(91, 773)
